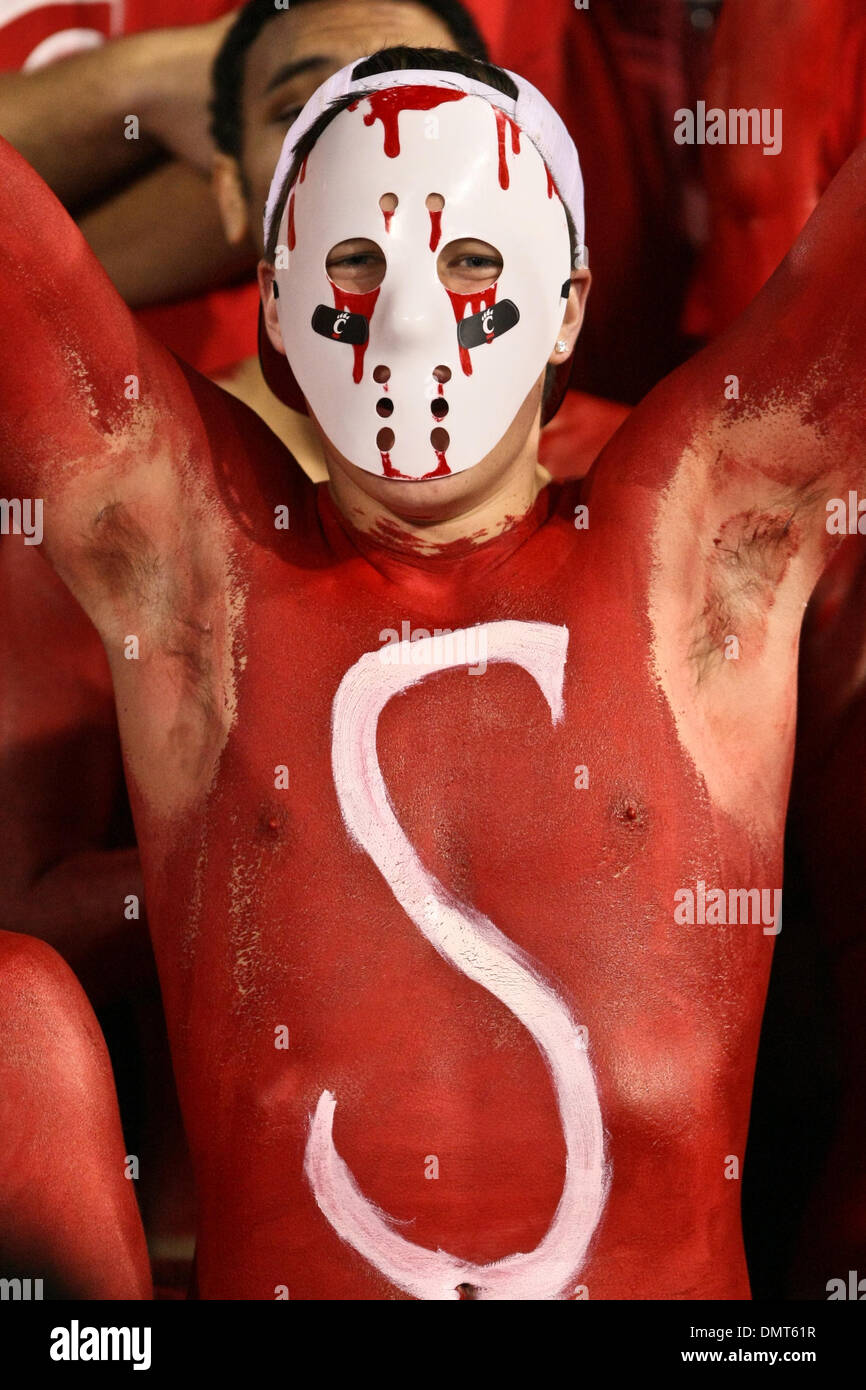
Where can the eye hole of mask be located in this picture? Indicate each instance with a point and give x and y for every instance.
(468, 266)
(357, 265)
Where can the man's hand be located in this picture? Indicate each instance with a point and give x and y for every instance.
(152, 256)
(167, 77)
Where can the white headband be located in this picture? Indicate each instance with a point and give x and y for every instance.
(531, 111)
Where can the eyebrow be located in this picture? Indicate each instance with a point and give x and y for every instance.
(290, 70)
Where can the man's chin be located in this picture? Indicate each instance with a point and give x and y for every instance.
(417, 499)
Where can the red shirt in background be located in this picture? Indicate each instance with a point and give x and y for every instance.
(36, 32)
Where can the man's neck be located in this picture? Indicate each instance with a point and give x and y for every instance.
(478, 510)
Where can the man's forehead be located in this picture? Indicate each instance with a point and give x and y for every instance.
(419, 132)
(316, 39)
(491, 179)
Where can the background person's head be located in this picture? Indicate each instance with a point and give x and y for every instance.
(271, 62)
(504, 232)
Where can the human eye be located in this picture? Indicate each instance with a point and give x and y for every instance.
(287, 115)
(356, 264)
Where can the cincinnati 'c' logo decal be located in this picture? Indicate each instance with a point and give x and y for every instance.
(342, 326)
(488, 324)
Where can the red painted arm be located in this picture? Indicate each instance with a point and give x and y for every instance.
(71, 357)
(68, 1213)
(751, 438)
(806, 59)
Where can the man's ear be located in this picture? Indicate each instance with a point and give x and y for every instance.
(572, 320)
(228, 189)
(265, 273)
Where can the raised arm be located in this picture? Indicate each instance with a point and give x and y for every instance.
(800, 60)
(156, 485)
(713, 499)
(93, 412)
(69, 347)
(748, 442)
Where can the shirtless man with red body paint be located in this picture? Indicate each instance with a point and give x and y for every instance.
(606, 651)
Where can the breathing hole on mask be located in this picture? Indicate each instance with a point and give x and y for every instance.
(439, 408)
(442, 374)
(388, 203)
(469, 266)
(384, 407)
(434, 202)
(440, 439)
(357, 265)
(383, 374)
(385, 440)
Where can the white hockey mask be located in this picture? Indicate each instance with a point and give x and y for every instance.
(371, 365)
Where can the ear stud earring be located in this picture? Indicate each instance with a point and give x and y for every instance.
(561, 345)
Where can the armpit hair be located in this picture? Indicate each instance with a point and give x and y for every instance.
(131, 571)
(122, 555)
(750, 555)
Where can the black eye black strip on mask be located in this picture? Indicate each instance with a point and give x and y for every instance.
(341, 325)
(489, 323)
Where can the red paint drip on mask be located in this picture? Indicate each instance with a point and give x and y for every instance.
(442, 468)
(551, 186)
(441, 391)
(303, 171)
(435, 227)
(387, 216)
(487, 298)
(501, 122)
(356, 304)
(290, 235)
(386, 107)
(388, 468)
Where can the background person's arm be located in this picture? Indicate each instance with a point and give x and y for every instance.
(69, 119)
(161, 237)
